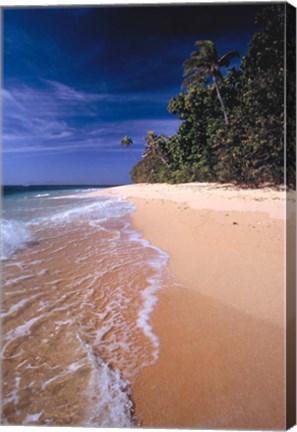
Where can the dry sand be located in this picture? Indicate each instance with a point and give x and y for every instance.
(222, 358)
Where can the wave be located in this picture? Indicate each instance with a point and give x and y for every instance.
(108, 301)
(15, 235)
(98, 210)
(76, 193)
(113, 407)
(149, 295)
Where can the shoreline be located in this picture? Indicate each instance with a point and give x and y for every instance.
(221, 334)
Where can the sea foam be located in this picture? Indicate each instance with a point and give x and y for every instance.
(98, 210)
(99, 299)
(114, 406)
(14, 235)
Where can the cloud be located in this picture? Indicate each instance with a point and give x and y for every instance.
(28, 54)
(66, 93)
(60, 119)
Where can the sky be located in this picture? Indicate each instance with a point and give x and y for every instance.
(75, 80)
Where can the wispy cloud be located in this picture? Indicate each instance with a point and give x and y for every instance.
(35, 55)
(66, 93)
(58, 118)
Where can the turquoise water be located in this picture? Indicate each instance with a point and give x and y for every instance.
(24, 207)
(79, 288)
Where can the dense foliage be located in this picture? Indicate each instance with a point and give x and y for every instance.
(232, 126)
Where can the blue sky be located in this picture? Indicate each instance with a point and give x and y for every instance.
(76, 80)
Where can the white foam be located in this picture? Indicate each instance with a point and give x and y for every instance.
(113, 407)
(18, 279)
(32, 418)
(42, 272)
(13, 396)
(13, 334)
(69, 369)
(18, 305)
(96, 210)
(14, 235)
(108, 389)
(115, 336)
(34, 262)
(148, 295)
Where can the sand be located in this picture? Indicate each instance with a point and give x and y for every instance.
(222, 332)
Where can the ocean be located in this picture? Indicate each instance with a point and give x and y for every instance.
(79, 288)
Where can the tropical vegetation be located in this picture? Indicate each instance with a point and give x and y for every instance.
(231, 121)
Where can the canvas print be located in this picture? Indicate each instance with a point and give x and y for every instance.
(148, 216)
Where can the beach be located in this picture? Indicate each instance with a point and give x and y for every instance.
(76, 307)
(222, 330)
(148, 216)
(144, 305)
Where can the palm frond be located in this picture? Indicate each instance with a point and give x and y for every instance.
(196, 71)
(193, 60)
(126, 141)
(193, 80)
(204, 43)
(225, 60)
(207, 49)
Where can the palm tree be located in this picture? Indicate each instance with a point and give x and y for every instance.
(204, 63)
(152, 147)
(127, 142)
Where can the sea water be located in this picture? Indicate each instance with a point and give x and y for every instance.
(79, 288)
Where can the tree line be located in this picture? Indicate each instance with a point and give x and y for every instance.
(232, 124)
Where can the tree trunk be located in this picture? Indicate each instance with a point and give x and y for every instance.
(220, 99)
(158, 154)
(163, 160)
(132, 152)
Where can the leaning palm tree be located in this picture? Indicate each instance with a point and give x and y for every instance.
(152, 147)
(204, 63)
(127, 142)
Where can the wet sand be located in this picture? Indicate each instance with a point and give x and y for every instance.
(75, 311)
(221, 362)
